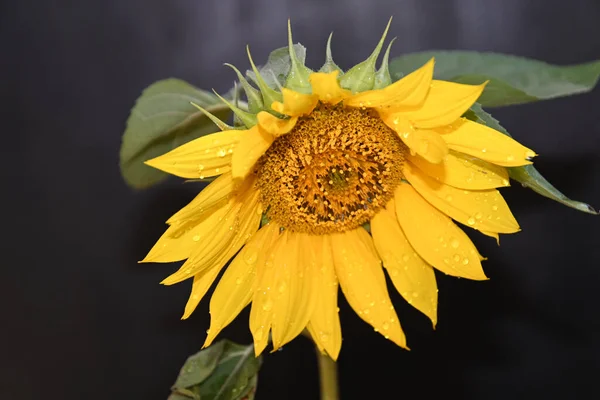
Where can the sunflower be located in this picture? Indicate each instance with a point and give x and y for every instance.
(336, 178)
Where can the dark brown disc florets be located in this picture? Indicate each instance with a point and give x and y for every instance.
(332, 172)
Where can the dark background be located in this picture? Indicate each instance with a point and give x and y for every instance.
(82, 320)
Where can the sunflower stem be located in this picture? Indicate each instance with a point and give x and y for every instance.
(328, 377)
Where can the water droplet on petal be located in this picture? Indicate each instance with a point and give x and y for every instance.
(454, 243)
(471, 221)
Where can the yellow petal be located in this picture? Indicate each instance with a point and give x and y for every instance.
(295, 104)
(214, 195)
(236, 287)
(412, 276)
(361, 277)
(275, 126)
(427, 144)
(326, 86)
(294, 287)
(484, 210)
(202, 282)
(324, 324)
(408, 91)
(463, 171)
(488, 144)
(203, 157)
(445, 103)
(230, 231)
(435, 237)
(177, 244)
(261, 313)
(250, 148)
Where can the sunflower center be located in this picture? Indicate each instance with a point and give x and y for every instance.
(332, 172)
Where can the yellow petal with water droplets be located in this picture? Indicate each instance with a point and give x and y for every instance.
(236, 287)
(326, 86)
(214, 195)
(463, 171)
(250, 148)
(445, 103)
(177, 244)
(230, 232)
(275, 126)
(324, 324)
(412, 276)
(295, 104)
(359, 270)
(261, 313)
(407, 92)
(202, 282)
(425, 143)
(484, 210)
(295, 289)
(435, 237)
(488, 144)
(203, 157)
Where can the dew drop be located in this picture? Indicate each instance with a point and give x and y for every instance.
(385, 326)
(510, 158)
(196, 238)
(471, 221)
(222, 153)
(448, 198)
(454, 243)
(405, 258)
(478, 216)
(456, 258)
(465, 261)
(495, 207)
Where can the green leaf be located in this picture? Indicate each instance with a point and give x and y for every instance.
(527, 175)
(161, 120)
(223, 371)
(513, 80)
(278, 65)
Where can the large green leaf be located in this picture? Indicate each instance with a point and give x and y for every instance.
(513, 80)
(223, 371)
(278, 65)
(161, 120)
(527, 175)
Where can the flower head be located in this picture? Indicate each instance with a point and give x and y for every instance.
(321, 157)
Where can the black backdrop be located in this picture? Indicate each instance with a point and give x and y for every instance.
(82, 320)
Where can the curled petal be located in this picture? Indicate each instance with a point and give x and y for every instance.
(275, 126)
(295, 104)
(327, 88)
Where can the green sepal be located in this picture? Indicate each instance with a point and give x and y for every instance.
(220, 124)
(527, 175)
(297, 78)
(255, 101)
(361, 77)
(382, 76)
(248, 119)
(329, 65)
(269, 95)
